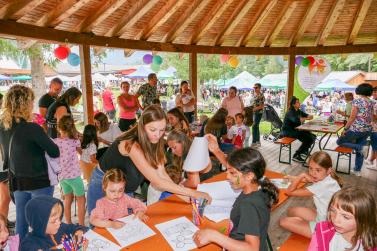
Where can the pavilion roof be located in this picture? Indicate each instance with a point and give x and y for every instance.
(212, 23)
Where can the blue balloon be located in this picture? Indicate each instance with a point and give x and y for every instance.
(73, 59)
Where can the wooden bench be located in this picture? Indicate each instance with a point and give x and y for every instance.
(343, 151)
(295, 242)
(285, 143)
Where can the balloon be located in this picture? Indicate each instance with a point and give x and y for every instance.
(298, 60)
(311, 59)
(62, 52)
(224, 58)
(73, 59)
(157, 60)
(155, 67)
(147, 59)
(233, 61)
(305, 62)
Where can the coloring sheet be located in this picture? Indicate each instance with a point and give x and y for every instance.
(134, 231)
(178, 233)
(97, 242)
(223, 197)
(281, 183)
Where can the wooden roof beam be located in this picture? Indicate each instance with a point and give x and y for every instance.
(29, 7)
(260, 21)
(209, 19)
(13, 7)
(238, 14)
(69, 12)
(50, 16)
(161, 17)
(103, 12)
(255, 20)
(301, 28)
(281, 23)
(136, 16)
(335, 12)
(359, 19)
(13, 29)
(190, 14)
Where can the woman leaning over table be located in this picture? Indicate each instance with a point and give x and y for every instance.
(24, 145)
(139, 153)
(359, 125)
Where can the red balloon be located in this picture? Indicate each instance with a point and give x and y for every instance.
(62, 52)
(311, 59)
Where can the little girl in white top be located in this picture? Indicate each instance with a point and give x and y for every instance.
(89, 147)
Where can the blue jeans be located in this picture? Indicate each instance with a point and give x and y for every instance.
(21, 198)
(256, 122)
(95, 191)
(356, 141)
(373, 141)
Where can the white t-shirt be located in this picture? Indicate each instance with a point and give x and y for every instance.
(323, 191)
(185, 98)
(112, 133)
(237, 130)
(87, 152)
(338, 243)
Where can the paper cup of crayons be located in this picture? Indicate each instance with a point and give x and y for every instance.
(72, 243)
(198, 210)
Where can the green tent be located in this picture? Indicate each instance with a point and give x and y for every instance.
(22, 77)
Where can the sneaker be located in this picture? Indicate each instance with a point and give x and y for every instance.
(356, 173)
(298, 158)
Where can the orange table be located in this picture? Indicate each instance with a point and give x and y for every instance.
(172, 208)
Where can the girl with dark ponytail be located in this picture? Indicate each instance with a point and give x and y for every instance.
(250, 215)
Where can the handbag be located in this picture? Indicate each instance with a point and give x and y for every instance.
(53, 168)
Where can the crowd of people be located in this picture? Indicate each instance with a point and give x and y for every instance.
(113, 160)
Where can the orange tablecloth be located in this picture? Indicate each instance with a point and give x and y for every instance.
(172, 208)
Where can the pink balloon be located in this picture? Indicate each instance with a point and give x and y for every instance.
(224, 58)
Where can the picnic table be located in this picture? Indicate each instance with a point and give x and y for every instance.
(322, 127)
(173, 207)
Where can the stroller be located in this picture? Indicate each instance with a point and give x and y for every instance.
(270, 115)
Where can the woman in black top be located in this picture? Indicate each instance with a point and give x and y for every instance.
(24, 145)
(139, 153)
(61, 107)
(294, 118)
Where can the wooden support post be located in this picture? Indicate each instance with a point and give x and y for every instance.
(193, 72)
(291, 79)
(86, 84)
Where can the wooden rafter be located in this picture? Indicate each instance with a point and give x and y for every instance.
(29, 7)
(209, 19)
(238, 14)
(103, 11)
(336, 10)
(189, 15)
(161, 17)
(48, 17)
(281, 23)
(12, 7)
(255, 20)
(301, 28)
(359, 19)
(69, 12)
(13, 29)
(260, 21)
(135, 17)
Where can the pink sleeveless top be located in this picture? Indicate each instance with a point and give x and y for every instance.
(128, 114)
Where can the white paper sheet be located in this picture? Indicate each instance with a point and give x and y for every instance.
(134, 231)
(178, 233)
(281, 183)
(223, 197)
(197, 157)
(97, 242)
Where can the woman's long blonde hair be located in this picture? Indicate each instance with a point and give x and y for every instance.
(17, 105)
(180, 137)
(154, 153)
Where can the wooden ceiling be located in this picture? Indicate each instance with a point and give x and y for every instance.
(202, 24)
